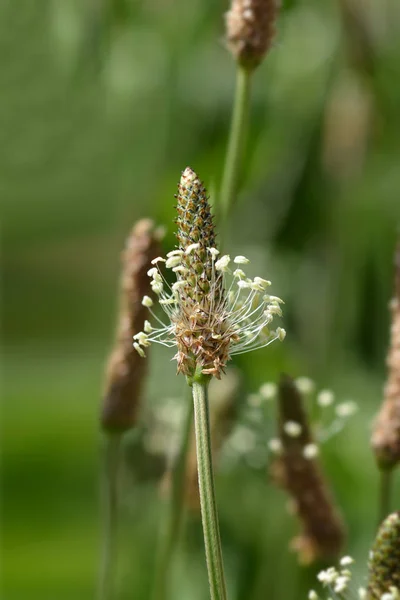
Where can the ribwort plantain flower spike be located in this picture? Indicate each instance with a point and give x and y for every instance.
(213, 313)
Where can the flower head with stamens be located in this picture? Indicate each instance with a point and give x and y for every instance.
(213, 313)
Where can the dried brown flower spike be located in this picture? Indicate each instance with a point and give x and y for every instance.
(126, 370)
(384, 563)
(298, 471)
(385, 439)
(250, 28)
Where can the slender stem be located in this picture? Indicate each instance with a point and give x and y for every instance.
(386, 476)
(170, 535)
(212, 540)
(109, 492)
(237, 134)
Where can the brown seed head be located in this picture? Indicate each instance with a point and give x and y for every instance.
(250, 28)
(385, 439)
(323, 531)
(201, 327)
(384, 564)
(126, 369)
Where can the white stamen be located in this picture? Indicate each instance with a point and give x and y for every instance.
(178, 284)
(222, 263)
(241, 260)
(147, 301)
(173, 261)
(139, 350)
(158, 259)
(214, 252)
(192, 247)
(281, 333)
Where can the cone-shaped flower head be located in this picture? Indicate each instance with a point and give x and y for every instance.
(209, 320)
(250, 28)
(384, 563)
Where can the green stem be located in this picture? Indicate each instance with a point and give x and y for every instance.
(109, 491)
(212, 540)
(170, 535)
(385, 493)
(237, 134)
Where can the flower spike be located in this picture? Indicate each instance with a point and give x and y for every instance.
(210, 317)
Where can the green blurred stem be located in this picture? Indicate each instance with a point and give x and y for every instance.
(173, 524)
(385, 492)
(109, 493)
(209, 514)
(237, 135)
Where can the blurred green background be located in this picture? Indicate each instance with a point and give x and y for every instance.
(102, 105)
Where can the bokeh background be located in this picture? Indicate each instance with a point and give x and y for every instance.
(103, 103)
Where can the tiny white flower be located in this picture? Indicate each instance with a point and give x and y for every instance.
(173, 261)
(341, 584)
(328, 576)
(346, 409)
(152, 272)
(310, 451)
(192, 247)
(274, 309)
(157, 286)
(305, 385)
(214, 252)
(274, 299)
(325, 398)
(157, 260)
(175, 253)
(142, 338)
(346, 560)
(147, 301)
(147, 327)
(312, 595)
(178, 284)
(241, 260)
(242, 284)
(180, 269)
(292, 428)
(263, 283)
(275, 445)
(139, 350)
(239, 273)
(268, 390)
(362, 593)
(223, 262)
(281, 333)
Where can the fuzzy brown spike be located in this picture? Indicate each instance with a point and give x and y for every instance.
(126, 369)
(250, 28)
(385, 438)
(384, 563)
(323, 530)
